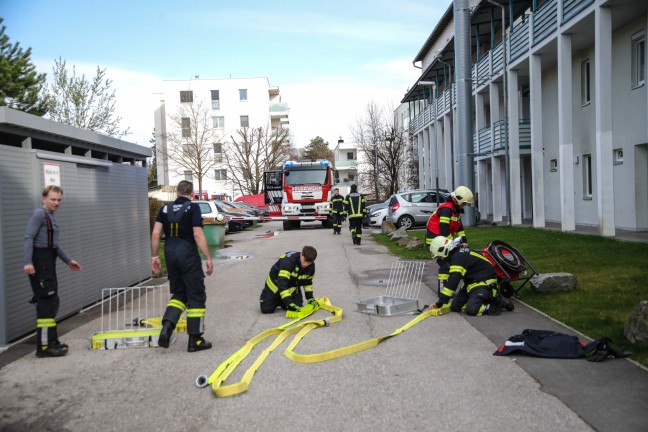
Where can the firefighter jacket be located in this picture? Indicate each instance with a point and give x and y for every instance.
(445, 221)
(337, 204)
(472, 267)
(355, 204)
(287, 275)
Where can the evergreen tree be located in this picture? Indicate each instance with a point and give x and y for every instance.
(318, 149)
(20, 85)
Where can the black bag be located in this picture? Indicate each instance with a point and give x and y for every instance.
(550, 344)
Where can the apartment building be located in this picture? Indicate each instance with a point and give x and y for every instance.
(227, 105)
(559, 111)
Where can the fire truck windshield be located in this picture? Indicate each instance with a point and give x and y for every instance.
(298, 177)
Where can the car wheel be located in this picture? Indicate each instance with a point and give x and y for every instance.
(406, 221)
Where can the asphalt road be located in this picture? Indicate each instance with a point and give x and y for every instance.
(439, 375)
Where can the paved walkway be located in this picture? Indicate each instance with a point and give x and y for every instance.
(439, 375)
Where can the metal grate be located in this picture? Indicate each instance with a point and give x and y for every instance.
(403, 288)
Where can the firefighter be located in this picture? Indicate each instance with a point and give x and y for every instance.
(356, 207)
(446, 221)
(337, 210)
(41, 248)
(182, 224)
(292, 271)
(479, 294)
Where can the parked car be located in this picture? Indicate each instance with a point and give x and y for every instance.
(414, 208)
(208, 209)
(374, 211)
(247, 217)
(257, 211)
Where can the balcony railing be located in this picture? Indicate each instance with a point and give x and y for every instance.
(544, 21)
(279, 107)
(571, 8)
(484, 145)
(519, 40)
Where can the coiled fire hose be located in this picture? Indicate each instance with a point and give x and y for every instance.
(299, 329)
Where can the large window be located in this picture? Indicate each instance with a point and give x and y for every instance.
(218, 152)
(638, 59)
(186, 96)
(218, 122)
(585, 82)
(186, 127)
(306, 176)
(350, 156)
(215, 99)
(242, 94)
(587, 176)
(220, 174)
(245, 121)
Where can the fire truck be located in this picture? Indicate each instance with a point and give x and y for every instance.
(300, 192)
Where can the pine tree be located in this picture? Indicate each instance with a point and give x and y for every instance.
(20, 86)
(318, 149)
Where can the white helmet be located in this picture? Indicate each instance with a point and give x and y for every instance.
(440, 247)
(462, 195)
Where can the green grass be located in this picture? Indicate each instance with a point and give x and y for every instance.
(611, 276)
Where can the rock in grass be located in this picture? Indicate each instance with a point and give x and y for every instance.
(553, 282)
(636, 327)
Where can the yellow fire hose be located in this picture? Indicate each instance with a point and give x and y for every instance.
(223, 371)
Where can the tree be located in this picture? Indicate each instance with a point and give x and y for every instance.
(190, 145)
(85, 104)
(318, 149)
(20, 85)
(254, 151)
(388, 155)
(152, 166)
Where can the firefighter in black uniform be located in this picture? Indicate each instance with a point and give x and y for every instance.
(356, 207)
(283, 285)
(183, 230)
(337, 211)
(479, 295)
(41, 248)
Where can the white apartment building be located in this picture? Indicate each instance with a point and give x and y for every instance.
(232, 104)
(570, 95)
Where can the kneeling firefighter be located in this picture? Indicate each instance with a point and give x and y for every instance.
(479, 294)
(283, 285)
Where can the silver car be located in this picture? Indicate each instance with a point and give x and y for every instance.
(408, 209)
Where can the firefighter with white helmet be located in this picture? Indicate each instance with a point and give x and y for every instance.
(479, 294)
(446, 222)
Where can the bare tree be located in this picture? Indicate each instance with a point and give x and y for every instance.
(251, 152)
(191, 143)
(85, 104)
(380, 138)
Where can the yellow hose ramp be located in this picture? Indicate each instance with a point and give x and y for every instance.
(299, 329)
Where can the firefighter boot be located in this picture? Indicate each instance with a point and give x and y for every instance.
(507, 304)
(50, 351)
(198, 343)
(495, 307)
(165, 333)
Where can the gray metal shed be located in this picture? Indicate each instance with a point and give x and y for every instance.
(104, 218)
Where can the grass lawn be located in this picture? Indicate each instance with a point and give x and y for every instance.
(611, 274)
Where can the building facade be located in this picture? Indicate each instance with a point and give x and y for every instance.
(560, 111)
(225, 106)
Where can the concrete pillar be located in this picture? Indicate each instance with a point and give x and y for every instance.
(444, 158)
(27, 143)
(537, 152)
(497, 168)
(425, 133)
(603, 115)
(421, 158)
(513, 104)
(565, 137)
(495, 116)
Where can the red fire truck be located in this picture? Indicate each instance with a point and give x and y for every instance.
(300, 191)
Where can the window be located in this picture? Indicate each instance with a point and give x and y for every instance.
(350, 156)
(218, 122)
(188, 176)
(186, 96)
(220, 174)
(587, 176)
(186, 127)
(242, 94)
(245, 121)
(638, 59)
(553, 165)
(215, 99)
(585, 82)
(218, 152)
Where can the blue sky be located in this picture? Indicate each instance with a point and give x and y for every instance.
(329, 58)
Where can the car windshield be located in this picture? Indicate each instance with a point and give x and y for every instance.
(298, 177)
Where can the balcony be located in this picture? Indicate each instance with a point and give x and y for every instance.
(345, 164)
(485, 143)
